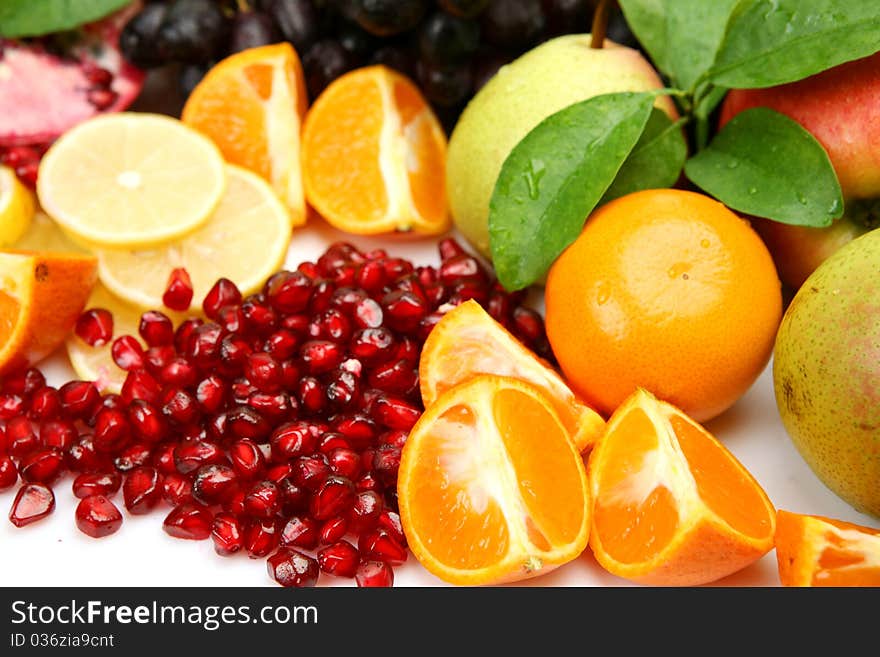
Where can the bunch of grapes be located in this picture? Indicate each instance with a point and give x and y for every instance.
(449, 47)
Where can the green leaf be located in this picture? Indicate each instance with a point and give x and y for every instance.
(656, 160)
(695, 27)
(765, 164)
(24, 18)
(771, 42)
(553, 179)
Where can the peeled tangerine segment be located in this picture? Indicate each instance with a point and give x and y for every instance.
(491, 486)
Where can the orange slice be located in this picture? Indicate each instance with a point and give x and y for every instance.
(491, 487)
(374, 156)
(817, 551)
(671, 505)
(251, 105)
(467, 342)
(41, 295)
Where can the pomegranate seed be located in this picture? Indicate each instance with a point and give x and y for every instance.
(462, 268)
(190, 521)
(298, 324)
(499, 307)
(45, 404)
(386, 463)
(33, 502)
(281, 345)
(340, 559)
(276, 407)
(381, 545)
(214, 484)
(102, 99)
(179, 290)
(368, 314)
(184, 332)
(81, 456)
(408, 349)
(345, 463)
(79, 399)
(42, 466)
(320, 356)
(263, 372)
(245, 422)
(145, 422)
(300, 531)
(293, 439)
(259, 319)
(390, 521)
(97, 516)
(394, 412)
(260, 537)
(180, 407)
(20, 436)
(278, 472)
(294, 499)
(176, 489)
(333, 530)
(288, 292)
(111, 430)
(359, 430)
(142, 490)
(97, 483)
(139, 384)
(24, 382)
(371, 277)
(395, 437)
(246, 458)
(8, 473)
(311, 394)
(365, 511)
(127, 353)
(231, 318)
(156, 358)
(374, 574)
(331, 440)
(292, 568)
(331, 325)
(395, 377)
(211, 393)
(19, 155)
(342, 389)
(263, 500)
(227, 533)
(449, 248)
(223, 293)
(11, 405)
(189, 457)
(133, 456)
(203, 346)
(95, 327)
(179, 372)
(334, 497)
(310, 471)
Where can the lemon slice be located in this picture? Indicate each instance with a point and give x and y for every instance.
(131, 180)
(44, 234)
(16, 207)
(96, 363)
(245, 240)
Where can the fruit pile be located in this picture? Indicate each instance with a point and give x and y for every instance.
(450, 47)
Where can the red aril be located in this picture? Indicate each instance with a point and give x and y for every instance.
(97, 516)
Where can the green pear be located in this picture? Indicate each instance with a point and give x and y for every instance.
(826, 372)
(546, 79)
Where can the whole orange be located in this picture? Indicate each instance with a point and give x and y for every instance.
(666, 290)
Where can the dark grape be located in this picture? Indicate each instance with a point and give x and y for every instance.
(445, 39)
(389, 17)
(138, 38)
(445, 86)
(464, 8)
(619, 32)
(357, 42)
(297, 20)
(395, 57)
(251, 29)
(324, 62)
(513, 24)
(190, 75)
(567, 16)
(192, 31)
(485, 65)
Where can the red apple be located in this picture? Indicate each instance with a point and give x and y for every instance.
(841, 108)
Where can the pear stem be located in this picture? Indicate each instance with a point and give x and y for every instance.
(600, 24)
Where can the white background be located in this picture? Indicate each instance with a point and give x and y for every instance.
(53, 552)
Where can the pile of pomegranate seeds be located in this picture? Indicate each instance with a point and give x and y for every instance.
(274, 426)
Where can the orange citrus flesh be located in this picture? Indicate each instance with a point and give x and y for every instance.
(818, 551)
(373, 156)
(666, 290)
(671, 505)
(41, 295)
(491, 488)
(468, 342)
(251, 105)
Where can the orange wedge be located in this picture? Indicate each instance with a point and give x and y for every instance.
(491, 487)
(374, 156)
(41, 295)
(817, 551)
(251, 105)
(467, 342)
(671, 505)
